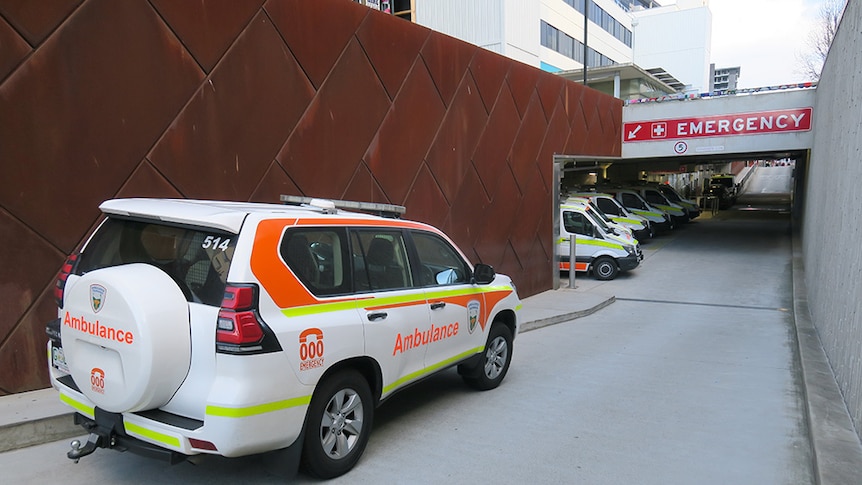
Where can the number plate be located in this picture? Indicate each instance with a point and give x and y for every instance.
(58, 358)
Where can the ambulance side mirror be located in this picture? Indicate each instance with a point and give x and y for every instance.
(483, 274)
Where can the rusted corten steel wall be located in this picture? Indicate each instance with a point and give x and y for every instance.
(247, 100)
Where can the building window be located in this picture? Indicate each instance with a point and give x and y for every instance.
(602, 19)
(557, 40)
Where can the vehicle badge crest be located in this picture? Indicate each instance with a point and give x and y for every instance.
(473, 310)
(97, 297)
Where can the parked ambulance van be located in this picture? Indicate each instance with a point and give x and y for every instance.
(633, 202)
(597, 250)
(617, 228)
(640, 226)
(659, 201)
(689, 205)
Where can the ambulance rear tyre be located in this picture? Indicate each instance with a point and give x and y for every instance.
(495, 360)
(340, 417)
(605, 268)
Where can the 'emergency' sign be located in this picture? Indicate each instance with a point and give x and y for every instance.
(778, 121)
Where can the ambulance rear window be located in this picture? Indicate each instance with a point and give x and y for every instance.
(196, 259)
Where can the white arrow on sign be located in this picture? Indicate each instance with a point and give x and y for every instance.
(634, 132)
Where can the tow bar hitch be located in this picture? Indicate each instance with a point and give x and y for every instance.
(94, 441)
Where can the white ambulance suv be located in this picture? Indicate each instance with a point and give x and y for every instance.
(189, 327)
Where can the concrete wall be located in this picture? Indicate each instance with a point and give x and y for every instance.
(832, 225)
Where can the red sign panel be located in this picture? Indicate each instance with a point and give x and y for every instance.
(778, 121)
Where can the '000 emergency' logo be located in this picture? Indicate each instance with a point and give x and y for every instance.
(97, 380)
(310, 349)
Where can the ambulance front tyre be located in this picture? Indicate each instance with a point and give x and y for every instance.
(605, 268)
(339, 422)
(495, 360)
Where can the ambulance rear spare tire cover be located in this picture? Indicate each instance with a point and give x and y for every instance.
(125, 332)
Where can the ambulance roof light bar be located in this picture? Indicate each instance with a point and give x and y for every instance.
(328, 206)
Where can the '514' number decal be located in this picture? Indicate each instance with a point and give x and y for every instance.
(216, 242)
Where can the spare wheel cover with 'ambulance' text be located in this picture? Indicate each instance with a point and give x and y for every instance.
(125, 333)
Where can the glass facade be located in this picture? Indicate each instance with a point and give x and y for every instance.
(557, 40)
(603, 19)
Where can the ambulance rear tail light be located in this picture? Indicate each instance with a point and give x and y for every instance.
(239, 329)
(65, 271)
(202, 445)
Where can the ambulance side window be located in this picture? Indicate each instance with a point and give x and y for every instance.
(655, 198)
(379, 260)
(440, 264)
(576, 223)
(608, 207)
(317, 256)
(630, 200)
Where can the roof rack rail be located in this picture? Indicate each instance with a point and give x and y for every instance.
(329, 206)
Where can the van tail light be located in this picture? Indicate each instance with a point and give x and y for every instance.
(240, 330)
(65, 271)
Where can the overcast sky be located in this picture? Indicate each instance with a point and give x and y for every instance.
(763, 37)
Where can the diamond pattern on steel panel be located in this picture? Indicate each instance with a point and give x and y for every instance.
(22, 355)
(511, 264)
(555, 137)
(317, 31)
(522, 82)
(403, 139)
(425, 201)
(146, 181)
(527, 143)
(35, 19)
(489, 71)
(363, 186)
(392, 46)
(549, 89)
(208, 28)
(238, 120)
(497, 223)
(497, 139)
(467, 211)
(534, 201)
(273, 184)
(98, 94)
(334, 133)
(449, 156)
(14, 48)
(447, 59)
(19, 280)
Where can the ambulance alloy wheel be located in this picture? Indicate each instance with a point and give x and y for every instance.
(339, 421)
(605, 268)
(495, 360)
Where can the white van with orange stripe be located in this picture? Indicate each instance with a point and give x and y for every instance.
(189, 327)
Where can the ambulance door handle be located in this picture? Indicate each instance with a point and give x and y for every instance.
(438, 305)
(373, 317)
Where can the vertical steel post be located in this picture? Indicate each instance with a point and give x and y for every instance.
(572, 247)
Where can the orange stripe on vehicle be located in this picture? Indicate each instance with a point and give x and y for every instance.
(266, 264)
(578, 266)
